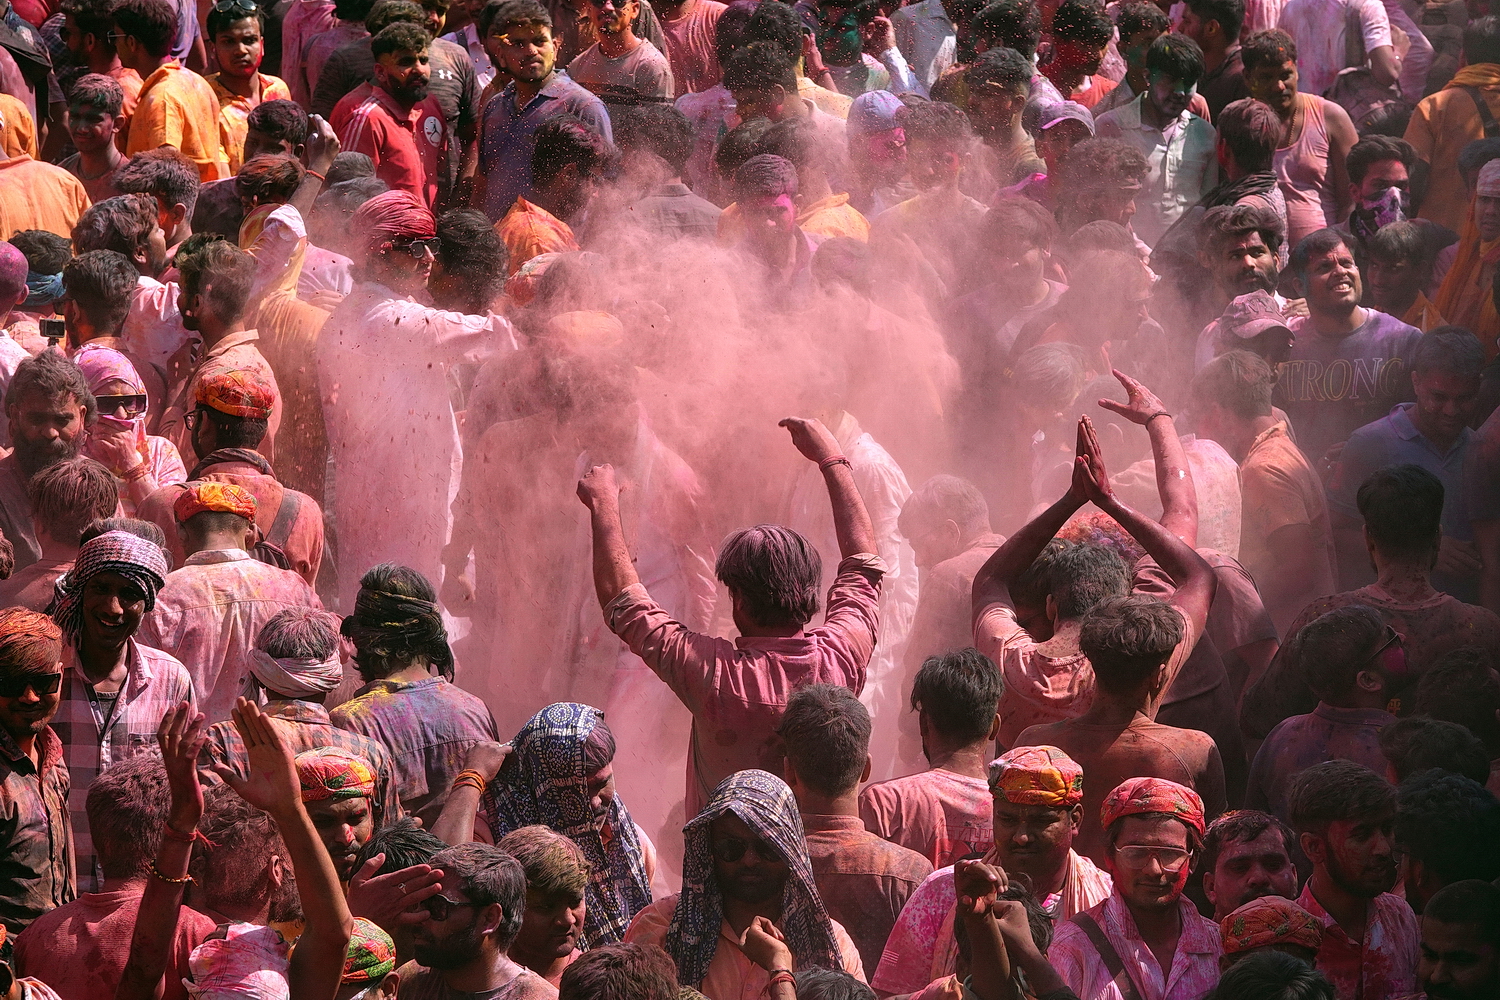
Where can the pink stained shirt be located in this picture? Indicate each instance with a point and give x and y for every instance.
(306, 20)
(1384, 964)
(737, 689)
(941, 815)
(731, 974)
(690, 47)
(153, 328)
(1195, 964)
(210, 612)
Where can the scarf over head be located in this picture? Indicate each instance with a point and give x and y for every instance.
(371, 955)
(1465, 298)
(294, 677)
(1136, 796)
(1037, 776)
(101, 366)
(400, 627)
(392, 216)
(140, 561)
(1270, 920)
(331, 773)
(545, 781)
(765, 804)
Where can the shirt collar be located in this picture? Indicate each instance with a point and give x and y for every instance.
(47, 740)
(824, 823)
(1196, 938)
(1407, 431)
(137, 669)
(233, 340)
(1352, 716)
(208, 556)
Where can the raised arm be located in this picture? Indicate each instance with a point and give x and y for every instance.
(977, 886)
(850, 519)
(613, 568)
(318, 153)
(1174, 477)
(455, 825)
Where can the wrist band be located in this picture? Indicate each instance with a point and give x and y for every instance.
(320, 177)
(1159, 413)
(782, 976)
(171, 881)
(170, 833)
(469, 778)
(833, 460)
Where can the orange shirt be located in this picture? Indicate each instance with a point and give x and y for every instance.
(832, 216)
(234, 114)
(178, 108)
(130, 82)
(530, 231)
(17, 128)
(35, 195)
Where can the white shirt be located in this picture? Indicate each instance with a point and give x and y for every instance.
(1183, 166)
(927, 39)
(1319, 28)
(153, 328)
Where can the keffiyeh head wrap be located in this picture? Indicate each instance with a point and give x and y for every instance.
(131, 556)
(330, 773)
(1152, 795)
(1037, 776)
(545, 781)
(765, 804)
(248, 963)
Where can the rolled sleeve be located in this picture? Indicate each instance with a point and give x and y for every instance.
(686, 661)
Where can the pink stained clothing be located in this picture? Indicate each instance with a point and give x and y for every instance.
(32, 587)
(1302, 172)
(153, 328)
(80, 949)
(944, 618)
(737, 689)
(1384, 964)
(1319, 28)
(710, 111)
(418, 983)
(211, 610)
(690, 47)
(306, 20)
(941, 815)
(239, 351)
(277, 238)
(318, 48)
(922, 948)
(731, 974)
(1195, 964)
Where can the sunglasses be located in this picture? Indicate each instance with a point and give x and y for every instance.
(731, 849)
(440, 907)
(192, 418)
(133, 405)
(226, 6)
(1137, 857)
(17, 686)
(417, 248)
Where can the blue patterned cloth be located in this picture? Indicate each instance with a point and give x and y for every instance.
(545, 781)
(766, 805)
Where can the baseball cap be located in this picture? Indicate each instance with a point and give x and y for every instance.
(1252, 314)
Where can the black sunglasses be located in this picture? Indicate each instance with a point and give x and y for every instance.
(417, 247)
(17, 685)
(731, 849)
(440, 907)
(226, 6)
(133, 405)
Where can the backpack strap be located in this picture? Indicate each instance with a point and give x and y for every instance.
(1112, 960)
(286, 516)
(1491, 127)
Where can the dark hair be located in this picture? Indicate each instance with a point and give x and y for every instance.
(45, 253)
(470, 250)
(1013, 24)
(818, 983)
(388, 12)
(1402, 506)
(218, 21)
(1330, 650)
(1135, 18)
(1226, 224)
(1272, 975)
(826, 733)
(396, 623)
(1402, 242)
(400, 37)
(660, 129)
(1239, 381)
(1177, 57)
(628, 971)
(127, 807)
(777, 23)
(1096, 163)
(774, 571)
(1038, 921)
(765, 176)
(564, 140)
(487, 875)
(1451, 350)
(270, 178)
(1373, 149)
(945, 498)
(1240, 826)
(349, 166)
(936, 122)
(959, 692)
(1251, 132)
(1001, 67)
(1482, 40)
(122, 223)
(738, 145)
(1013, 221)
(153, 23)
(1082, 576)
(1471, 901)
(1127, 638)
(1450, 823)
(1268, 48)
(793, 139)
(51, 376)
(1082, 21)
(404, 845)
(729, 32)
(102, 283)
(282, 120)
(1336, 790)
(223, 275)
(352, 10)
(759, 66)
(514, 14)
(1316, 244)
(67, 496)
(92, 18)
(1415, 744)
(243, 837)
(148, 530)
(1229, 13)
(1461, 686)
(1030, 589)
(99, 92)
(1476, 154)
(232, 431)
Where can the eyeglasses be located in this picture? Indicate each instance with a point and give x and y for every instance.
(226, 6)
(731, 849)
(133, 405)
(440, 907)
(1392, 638)
(192, 418)
(418, 248)
(115, 36)
(17, 685)
(1169, 859)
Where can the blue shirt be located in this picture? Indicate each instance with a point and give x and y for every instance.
(508, 135)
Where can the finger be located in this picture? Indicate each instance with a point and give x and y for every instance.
(367, 871)
(1114, 407)
(227, 775)
(423, 893)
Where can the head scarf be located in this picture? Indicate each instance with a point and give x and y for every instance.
(395, 625)
(238, 393)
(294, 677)
(391, 216)
(545, 782)
(100, 366)
(1270, 920)
(213, 497)
(1135, 796)
(1037, 776)
(1488, 183)
(371, 955)
(42, 290)
(330, 773)
(765, 804)
(140, 561)
(248, 963)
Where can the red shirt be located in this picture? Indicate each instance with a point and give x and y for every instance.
(407, 146)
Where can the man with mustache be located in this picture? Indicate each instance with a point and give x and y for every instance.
(1460, 958)
(1344, 813)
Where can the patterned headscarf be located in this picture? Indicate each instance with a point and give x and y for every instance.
(249, 962)
(765, 804)
(224, 498)
(1135, 796)
(545, 781)
(1037, 776)
(330, 773)
(140, 561)
(102, 365)
(1270, 920)
(371, 955)
(237, 393)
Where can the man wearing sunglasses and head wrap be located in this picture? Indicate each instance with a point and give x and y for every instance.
(385, 359)
(115, 689)
(745, 858)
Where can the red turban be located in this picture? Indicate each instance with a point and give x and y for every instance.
(1152, 795)
(238, 393)
(331, 773)
(1037, 776)
(224, 498)
(1270, 920)
(391, 216)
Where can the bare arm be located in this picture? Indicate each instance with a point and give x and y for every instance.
(977, 885)
(765, 945)
(613, 569)
(1341, 138)
(850, 519)
(1385, 65)
(1174, 477)
(322, 146)
(460, 810)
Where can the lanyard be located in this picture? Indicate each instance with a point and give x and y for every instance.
(101, 721)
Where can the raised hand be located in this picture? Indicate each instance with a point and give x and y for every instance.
(598, 486)
(1089, 464)
(180, 737)
(322, 145)
(1142, 405)
(393, 898)
(977, 884)
(765, 945)
(272, 783)
(812, 439)
(486, 758)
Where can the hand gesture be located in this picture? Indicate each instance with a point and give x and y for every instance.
(1089, 473)
(272, 785)
(977, 884)
(765, 945)
(322, 145)
(118, 450)
(812, 56)
(396, 897)
(486, 758)
(812, 439)
(1143, 404)
(598, 486)
(180, 737)
(878, 36)
(1015, 926)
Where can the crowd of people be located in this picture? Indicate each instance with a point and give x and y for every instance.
(413, 587)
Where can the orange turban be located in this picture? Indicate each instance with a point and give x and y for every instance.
(1270, 920)
(1037, 776)
(224, 498)
(238, 393)
(330, 773)
(1135, 796)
